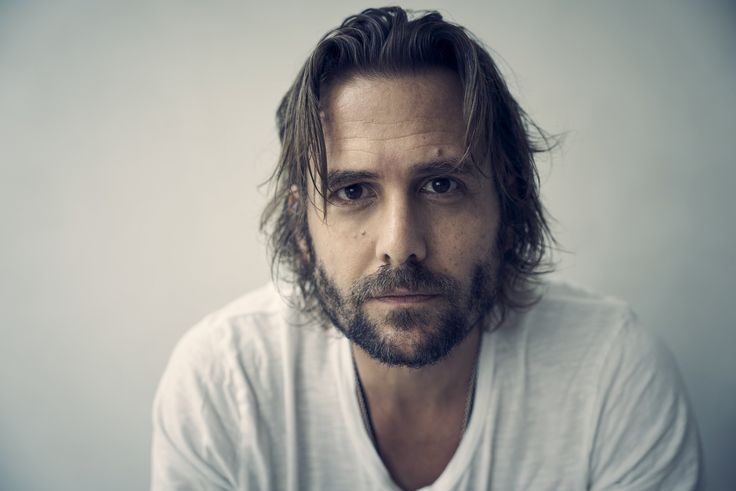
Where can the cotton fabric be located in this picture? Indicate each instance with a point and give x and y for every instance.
(571, 395)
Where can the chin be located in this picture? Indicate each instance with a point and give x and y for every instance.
(408, 337)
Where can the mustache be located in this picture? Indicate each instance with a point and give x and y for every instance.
(410, 276)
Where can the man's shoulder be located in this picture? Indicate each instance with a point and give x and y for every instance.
(557, 293)
(593, 378)
(569, 319)
(266, 304)
(563, 302)
(264, 300)
(569, 304)
(252, 322)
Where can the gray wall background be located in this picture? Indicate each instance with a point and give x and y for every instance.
(133, 136)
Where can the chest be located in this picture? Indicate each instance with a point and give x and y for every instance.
(414, 465)
(416, 453)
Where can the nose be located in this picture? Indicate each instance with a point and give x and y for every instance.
(401, 234)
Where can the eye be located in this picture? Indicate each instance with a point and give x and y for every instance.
(440, 185)
(351, 193)
(354, 193)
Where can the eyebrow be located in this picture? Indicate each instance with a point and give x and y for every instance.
(340, 178)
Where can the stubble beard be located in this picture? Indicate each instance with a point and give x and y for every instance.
(413, 336)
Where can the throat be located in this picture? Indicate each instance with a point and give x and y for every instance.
(416, 453)
(416, 441)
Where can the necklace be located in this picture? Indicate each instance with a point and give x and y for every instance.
(365, 414)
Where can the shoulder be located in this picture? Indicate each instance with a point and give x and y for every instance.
(568, 322)
(572, 303)
(236, 344)
(248, 342)
(642, 434)
(615, 386)
(206, 402)
(604, 325)
(204, 351)
(263, 300)
(573, 337)
(249, 312)
(250, 322)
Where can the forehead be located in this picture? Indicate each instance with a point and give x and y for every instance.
(361, 94)
(386, 119)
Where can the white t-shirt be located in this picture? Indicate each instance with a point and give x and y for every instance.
(570, 395)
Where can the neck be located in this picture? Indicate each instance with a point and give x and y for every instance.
(402, 388)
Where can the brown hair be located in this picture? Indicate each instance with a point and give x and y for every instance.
(386, 41)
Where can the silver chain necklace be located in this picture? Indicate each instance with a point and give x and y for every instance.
(365, 414)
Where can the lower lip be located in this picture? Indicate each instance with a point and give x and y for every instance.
(406, 299)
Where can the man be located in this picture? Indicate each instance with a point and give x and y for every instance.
(419, 347)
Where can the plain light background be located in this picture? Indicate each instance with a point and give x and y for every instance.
(133, 137)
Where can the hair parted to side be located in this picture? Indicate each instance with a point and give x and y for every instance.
(500, 139)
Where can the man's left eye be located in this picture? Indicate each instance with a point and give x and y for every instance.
(440, 185)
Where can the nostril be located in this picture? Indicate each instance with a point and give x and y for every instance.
(411, 259)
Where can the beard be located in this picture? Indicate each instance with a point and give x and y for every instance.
(412, 336)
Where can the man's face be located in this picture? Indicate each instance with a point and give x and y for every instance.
(404, 257)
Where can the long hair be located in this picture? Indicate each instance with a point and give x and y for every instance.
(499, 138)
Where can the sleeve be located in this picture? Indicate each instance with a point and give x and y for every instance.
(645, 436)
(193, 446)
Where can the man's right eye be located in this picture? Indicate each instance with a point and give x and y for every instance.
(353, 192)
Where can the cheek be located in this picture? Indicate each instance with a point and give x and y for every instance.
(342, 250)
(461, 243)
(470, 232)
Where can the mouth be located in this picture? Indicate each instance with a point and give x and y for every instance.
(406, 297)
